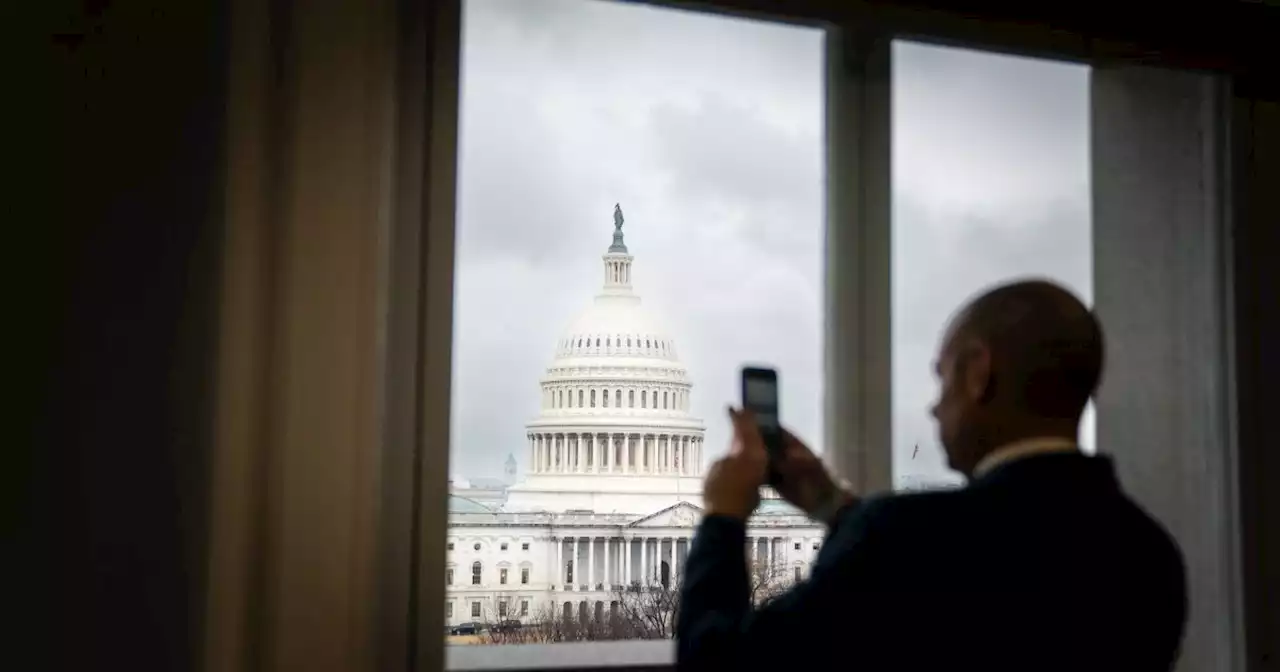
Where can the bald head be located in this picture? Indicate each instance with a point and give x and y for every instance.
(1045, 346)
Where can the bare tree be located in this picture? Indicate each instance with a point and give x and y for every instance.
(768, 580)
(631, 612)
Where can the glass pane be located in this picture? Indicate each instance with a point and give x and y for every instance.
(640, 214)
(990, 183)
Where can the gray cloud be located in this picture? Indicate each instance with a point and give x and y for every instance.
(709, 132)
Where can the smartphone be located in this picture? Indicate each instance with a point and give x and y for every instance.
(760, 396)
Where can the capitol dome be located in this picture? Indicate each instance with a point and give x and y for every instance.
(615, 405)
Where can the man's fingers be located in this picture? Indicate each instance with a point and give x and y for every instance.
(746, 432)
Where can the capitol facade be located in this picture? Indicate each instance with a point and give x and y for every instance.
(612, 491)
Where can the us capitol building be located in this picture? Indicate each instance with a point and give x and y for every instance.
(612, 492)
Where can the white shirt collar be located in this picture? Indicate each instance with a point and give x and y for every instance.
(1025, 448)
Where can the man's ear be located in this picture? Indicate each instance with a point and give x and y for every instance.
(979, 381)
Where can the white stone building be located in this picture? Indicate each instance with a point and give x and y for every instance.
(613, 491)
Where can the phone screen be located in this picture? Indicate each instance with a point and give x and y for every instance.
(761, 397)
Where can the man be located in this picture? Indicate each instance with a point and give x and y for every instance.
(1040, 563)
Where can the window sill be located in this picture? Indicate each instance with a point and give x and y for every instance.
(632, 655)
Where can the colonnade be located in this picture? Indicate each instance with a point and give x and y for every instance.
(669, 453)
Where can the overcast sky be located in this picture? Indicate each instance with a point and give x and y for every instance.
(709, 132)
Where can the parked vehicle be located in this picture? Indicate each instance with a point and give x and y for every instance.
(471, 628)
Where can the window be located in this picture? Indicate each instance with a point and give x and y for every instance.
(518, 282)
(797, 545)
(475, 610)
(448, 576)
(798, 575)
(502, 609)
(524, 546)
(476, 547)
(451, 545)
(503, 546)
(815, 545)
(448, 610)
(974, 216)
(475, 573)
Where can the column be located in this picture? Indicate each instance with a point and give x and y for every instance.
(591, 562)
(608, 570)
(626, 560)
(558, 578)
(675, 559)
(594, 462)
(755, 546)
(608, 457)
(644, 565)
(577, 566)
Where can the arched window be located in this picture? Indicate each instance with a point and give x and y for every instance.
(568, 611)
(604, 398)
(597, 342)
(631, 398)
(475, 573)
(593, 398)
(628, 341)
(644, 398)
(569, 573)
(560, 403)
(617, 398)
(579, 398)
(664, 400)
(599, 612)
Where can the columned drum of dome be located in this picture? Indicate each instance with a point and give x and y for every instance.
(614, 428)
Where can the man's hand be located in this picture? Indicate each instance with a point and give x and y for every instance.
(732, 487)
(803, 480)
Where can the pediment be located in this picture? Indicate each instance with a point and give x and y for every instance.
(682, 514)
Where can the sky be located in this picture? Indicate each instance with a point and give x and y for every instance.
(709, 132)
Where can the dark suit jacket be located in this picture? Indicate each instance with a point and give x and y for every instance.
(1042, 564)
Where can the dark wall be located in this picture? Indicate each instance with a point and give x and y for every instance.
(120, 344)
